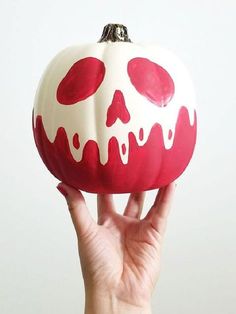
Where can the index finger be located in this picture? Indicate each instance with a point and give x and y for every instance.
(160, 210)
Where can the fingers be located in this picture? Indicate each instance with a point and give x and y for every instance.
(160, 210)
(135, 205)
(105, 206)
(81, 218)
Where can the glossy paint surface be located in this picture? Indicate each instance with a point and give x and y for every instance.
(117, 109)
(151, 80)
(81, 81)
(149, 166)
(115, 117)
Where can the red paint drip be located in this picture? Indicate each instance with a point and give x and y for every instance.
(117, 109)
(81, 81)
(123, 147)
(151, 81)
(76, 142)
(141, 134)
(170, 134)
(149, 166)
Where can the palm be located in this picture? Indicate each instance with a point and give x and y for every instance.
(122, 253)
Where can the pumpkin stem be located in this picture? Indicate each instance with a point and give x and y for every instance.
(114, 32)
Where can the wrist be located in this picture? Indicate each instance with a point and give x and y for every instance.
(99, 303)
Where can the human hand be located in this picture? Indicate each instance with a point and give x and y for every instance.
(120, 254)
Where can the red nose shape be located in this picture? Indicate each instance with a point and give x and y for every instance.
(117, 109)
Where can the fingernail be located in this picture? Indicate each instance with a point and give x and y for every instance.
(62, 190)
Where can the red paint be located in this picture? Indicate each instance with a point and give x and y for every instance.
(170, 134)
(117, 109)
(76, 142)
(141, 134)
(123, 147)
(81, 81)
(151, 81)
(149, 166)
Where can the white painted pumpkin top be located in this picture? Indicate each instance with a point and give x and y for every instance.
(88, 117)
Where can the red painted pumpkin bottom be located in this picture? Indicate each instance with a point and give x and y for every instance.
(149, 166)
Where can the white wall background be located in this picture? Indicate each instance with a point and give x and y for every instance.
(39, 266)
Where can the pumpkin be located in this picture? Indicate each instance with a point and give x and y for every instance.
(114, 116)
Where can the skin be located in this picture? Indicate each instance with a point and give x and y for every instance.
(119, 254)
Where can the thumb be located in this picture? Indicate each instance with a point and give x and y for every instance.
(81, 218)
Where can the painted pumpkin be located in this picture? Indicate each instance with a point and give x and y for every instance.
(114, 116)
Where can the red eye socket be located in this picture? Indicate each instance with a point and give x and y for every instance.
(151, 81)
(81, 81)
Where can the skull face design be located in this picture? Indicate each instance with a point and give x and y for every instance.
(114, 118)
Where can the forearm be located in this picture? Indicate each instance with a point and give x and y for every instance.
(100, 304)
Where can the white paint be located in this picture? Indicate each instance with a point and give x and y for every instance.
(88, 117)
